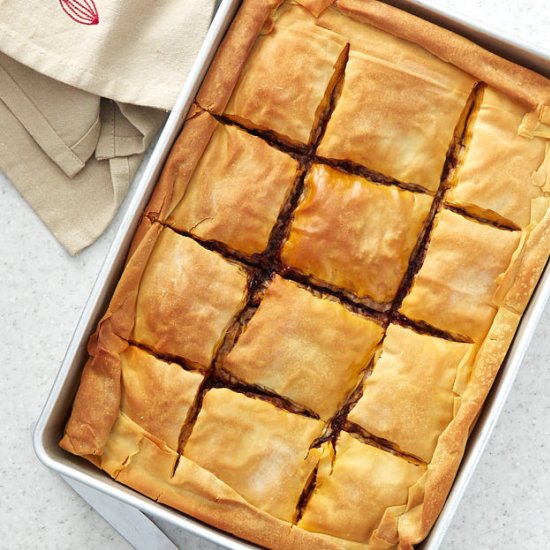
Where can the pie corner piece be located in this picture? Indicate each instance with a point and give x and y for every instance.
(286, 77)
(359, 488)
(270, 477)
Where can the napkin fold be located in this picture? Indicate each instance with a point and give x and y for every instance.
(135, 52)
(82, 96)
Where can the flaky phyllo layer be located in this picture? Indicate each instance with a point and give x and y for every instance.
(326, 280)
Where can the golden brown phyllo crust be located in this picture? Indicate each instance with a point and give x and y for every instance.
(326, 280)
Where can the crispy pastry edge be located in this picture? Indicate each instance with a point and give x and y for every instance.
(520, 83)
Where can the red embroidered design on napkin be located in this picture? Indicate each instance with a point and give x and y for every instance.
(81, 11)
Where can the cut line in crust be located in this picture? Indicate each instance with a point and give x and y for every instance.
(214, 246)
(301, 152)
(333, 91)
(338, 421)
(492, 218)
(368, 439)
(271, 137)
(227, 343)
(305, 496)
(366, 304)
(224, 379)
(453, 154)
(338, 295)
(180, 361)
(350, 167)
(425, 328)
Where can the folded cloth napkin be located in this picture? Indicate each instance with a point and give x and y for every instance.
(84, 87)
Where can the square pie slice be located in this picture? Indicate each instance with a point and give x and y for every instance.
(353, 234)
(409, 398)
(453, 291)
(293, 346)
(259, 450)
(285, 80)
(236, 191)
(352, 494)
(394, 121)
(497, 177)
(188, 297)
(156, 394)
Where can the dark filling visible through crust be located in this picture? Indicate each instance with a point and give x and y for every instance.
(328, 103)
(365, 437)
(350, 167)
(363, 307)
(425, 328)
(185, 365)
(305, 496)
(276, 141)
(496, 221)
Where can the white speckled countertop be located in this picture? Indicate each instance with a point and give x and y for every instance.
(43, 290)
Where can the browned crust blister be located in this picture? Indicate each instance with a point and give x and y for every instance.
(183, 484)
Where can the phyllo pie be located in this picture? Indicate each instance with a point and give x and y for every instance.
(414, 390)
(353, 234)
(455, 287)
(285, 84)
(360, 489)
(500, 181)
(236, 192)
(297, 352)
(259, 450)
(324, 284)
(187, 298)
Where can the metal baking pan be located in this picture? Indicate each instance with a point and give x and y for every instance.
(50, 426)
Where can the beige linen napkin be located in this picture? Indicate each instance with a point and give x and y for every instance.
(136, 51)
(69, 150)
